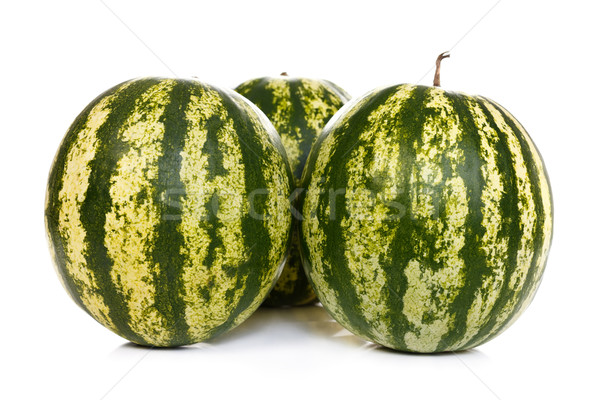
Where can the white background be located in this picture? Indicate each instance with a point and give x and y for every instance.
(538, 59)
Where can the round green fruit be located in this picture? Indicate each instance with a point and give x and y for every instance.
(167, 210)
(299, 109)
(427, 218)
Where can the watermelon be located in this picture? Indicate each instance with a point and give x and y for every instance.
(167, 210)
(299, 109)
(427, 218)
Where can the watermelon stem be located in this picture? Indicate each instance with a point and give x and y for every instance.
(438, 63)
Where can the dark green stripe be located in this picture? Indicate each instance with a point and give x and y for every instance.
(257, 92)
(253, 89)
(98, 203)
(169, 192)
(472, 254)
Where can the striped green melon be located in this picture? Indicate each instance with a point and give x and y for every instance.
(167, 210)
(299, 109)
(427, 218)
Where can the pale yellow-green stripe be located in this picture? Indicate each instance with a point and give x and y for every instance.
(130, 224)
(316, 109)
(430, 290)
(527, 216)
(281, 119)
(76, 180)
(366, 233)
(204, 315)
(494, 247)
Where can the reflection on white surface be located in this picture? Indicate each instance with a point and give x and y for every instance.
(276, 326)
(300, 348)
(289, 327)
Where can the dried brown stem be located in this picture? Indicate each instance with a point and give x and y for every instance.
(438, 63)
